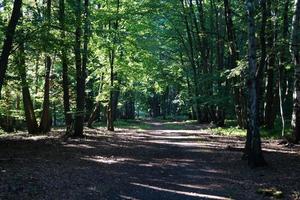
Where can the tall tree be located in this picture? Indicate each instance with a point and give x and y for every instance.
(45, 124)
(254, 151)
(81, 63)
(30, 117)
(64, 63)
(233, 58)
(296, 56)
(8, 41)
(113, 94)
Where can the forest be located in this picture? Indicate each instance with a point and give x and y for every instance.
(121, 99)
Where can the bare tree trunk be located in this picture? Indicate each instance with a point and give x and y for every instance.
(296, 56)
(255, 157)
(112, 55)
(191, 54)
(80, 84)
(8, 41)
(31, 121)
(282, 61)
(65, 84)
(262, 63)
(45, 124)
(233, 58)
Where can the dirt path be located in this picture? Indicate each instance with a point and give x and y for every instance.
(160, 163)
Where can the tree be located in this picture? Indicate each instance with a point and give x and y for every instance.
(8, 41)
(30, 117)
(45, 124)
(80, 73)
(253, 147)
(64, 64)
(296, 56)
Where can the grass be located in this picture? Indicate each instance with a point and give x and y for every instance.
(231, 129)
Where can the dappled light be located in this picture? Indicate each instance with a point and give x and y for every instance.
(149, 99)
(205, 196)
(150, 164)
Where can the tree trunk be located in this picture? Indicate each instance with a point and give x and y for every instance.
(269, 108)
(262, 63)
(238, 92)
(31, 121)
(282, 62)
(80, 75)
(255, 157)
(45, 124)
(93, 115)
(65, 83)
(8, 41)
(112, 54)
(296, 56)
(191, 56)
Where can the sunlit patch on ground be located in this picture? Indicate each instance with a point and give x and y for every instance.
(170, 161)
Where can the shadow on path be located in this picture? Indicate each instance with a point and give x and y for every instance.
(160, 163)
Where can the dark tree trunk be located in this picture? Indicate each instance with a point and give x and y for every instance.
(238, 92)
(254, 151)
(8, 41)
(31, 121)
(80, 73)
(111, 108)
(93, 115)
(269, 108)
(45, 124)
(191, 55)
(284, 54)
(96, 107)
(65, 84)
(296, 56)
(262, 63)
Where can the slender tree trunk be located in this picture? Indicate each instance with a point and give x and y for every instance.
(80, 89)
(45, 124)
(238, 92)
(93, 115)
(64, 63)
(255, 157)
(191, 55)
(112, 55)
(97, 106)
(31, 121)
(282, 62)
(8, 41)
(296, 56)
(110, 118)
(262, 63)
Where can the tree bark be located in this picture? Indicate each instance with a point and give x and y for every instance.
(238, 92)
(30, 117)
(45, 124)
(270, 100)
(8, 41)
(80, 80)
(255, 156)
(262, 63)
(112, 55)
(296, 56)
(64, 63)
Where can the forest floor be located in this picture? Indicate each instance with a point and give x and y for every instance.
(165, 160)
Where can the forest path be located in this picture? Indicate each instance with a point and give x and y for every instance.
(168, 160)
